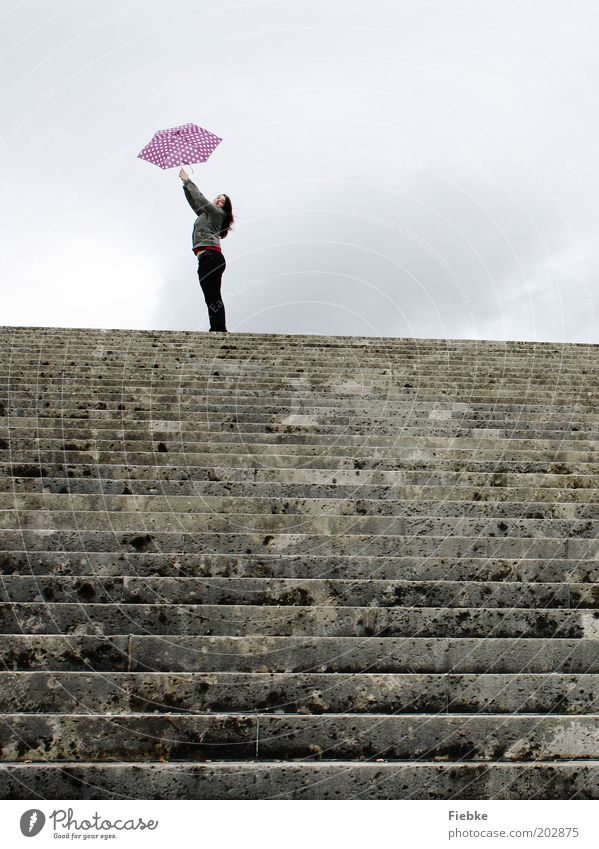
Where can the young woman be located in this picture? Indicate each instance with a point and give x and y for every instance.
(212, 224)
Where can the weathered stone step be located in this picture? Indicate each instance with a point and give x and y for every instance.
(201, 397)
(297, 360)
(104, 344)
(128, 340)
(293, 362)
(138, 380)
(318, 405)
(297, 591)
(283, 525)
(306, 693)
(125, 341)
(288, 422)
(298, 356)
(560, 490)
(299, 366)
(351, 567)
(422, 504)
(285, 544)
(67, 342)
(302, 780)
(319, 377)
(245, 620)
(34, 434)
(67, 392)
(329, 420)
(457, 496)
(202, 478)
(238, 458)
(296, 364)
(481, 438)
(351, 654)
(318, 383)
(559, 449)
(421, 418)
(333, 654)
(175, 543)
(150, 433)
(303, 483)
(107, 343)
(568, 463)
(198, 737)
(290, 523)
(319, 370)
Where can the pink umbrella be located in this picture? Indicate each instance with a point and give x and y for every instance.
(180, 146)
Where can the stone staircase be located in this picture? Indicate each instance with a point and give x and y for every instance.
(267, 566)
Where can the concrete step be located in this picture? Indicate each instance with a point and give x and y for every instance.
(127, 339)
(306, 526)
(36, 382)
(65, 340)
(464, 491)
(284, 620)
(318, 369)
(262, 419)
(176, 543)
(186, 345)
(292, 456)
(336, 395)
(293, 467)
(296, 591)
(151, 435)
(419, 418)
(132, 563)
(453, 488)
(27, 369)
(218, 478)
(324, 405)
(557, 490)
(318, 383)
(333, 654)
(295, 364)
(118, 344)
(421, 505)
(296, 692)
(198, 737)
(319, 379)
(280, 349)
(334, 446)
(577, 779)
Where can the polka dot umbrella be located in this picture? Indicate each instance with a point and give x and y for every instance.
(180, 146)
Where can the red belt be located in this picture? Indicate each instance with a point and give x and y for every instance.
(206, 248)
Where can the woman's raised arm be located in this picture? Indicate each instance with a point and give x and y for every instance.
(195, 198)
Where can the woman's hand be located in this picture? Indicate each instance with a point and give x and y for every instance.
(183, 174)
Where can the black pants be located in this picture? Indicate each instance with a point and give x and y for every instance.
(211, 266)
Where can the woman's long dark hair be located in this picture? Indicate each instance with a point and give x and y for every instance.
(227, 208)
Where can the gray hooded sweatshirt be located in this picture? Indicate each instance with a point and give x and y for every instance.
(208, 224)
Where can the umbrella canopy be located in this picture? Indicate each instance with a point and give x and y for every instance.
(180, 146)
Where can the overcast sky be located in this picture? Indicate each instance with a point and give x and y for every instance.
(396, 168)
